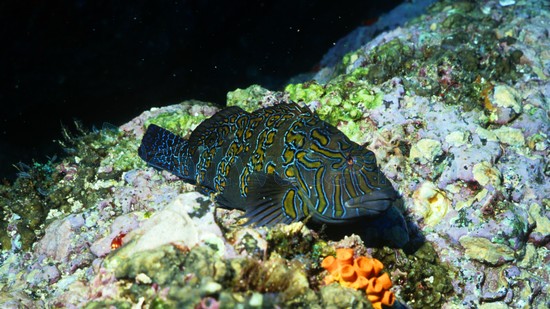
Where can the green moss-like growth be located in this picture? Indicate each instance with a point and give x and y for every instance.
(277, 275)
(179, 122)
(343, 99)
(449, 64)
(193, 275)
(321, 249)
(77, 172)
(385, 61)
(425, 281)
(25, 204)
(123, 156)
(290, 240)
(189, 275)
(306, 92)
(249, 99)
(460, 67)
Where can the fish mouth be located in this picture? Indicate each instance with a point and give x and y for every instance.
(374, 202)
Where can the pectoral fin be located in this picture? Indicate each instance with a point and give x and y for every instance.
(264, 204)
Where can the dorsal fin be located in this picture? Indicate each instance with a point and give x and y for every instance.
(284, 108)
(211, 123)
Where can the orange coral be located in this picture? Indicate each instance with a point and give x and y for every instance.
(361, 273)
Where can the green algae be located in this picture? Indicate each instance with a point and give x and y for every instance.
(182, 271)
(460, 66)
(26, 203)
(320, 250)
(462, 218)
(180, 122)
(456, 64)
(425, 282)
(249, 99)
(290, 240)
(457, 69)
(35, 192)
(343, 99)
(307, 92)
(385, 61)
(191, 275)
(72, 191)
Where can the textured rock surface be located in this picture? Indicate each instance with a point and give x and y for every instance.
(483, 250)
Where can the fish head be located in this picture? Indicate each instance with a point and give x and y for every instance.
(365, 189)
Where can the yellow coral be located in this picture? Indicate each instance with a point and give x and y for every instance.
(360, 273)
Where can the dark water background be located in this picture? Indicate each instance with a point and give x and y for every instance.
(107, 61)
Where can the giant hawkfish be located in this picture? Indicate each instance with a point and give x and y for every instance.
(278, 164)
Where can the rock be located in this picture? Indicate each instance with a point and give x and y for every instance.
(159, 264)
(510, 136)
(143, 278)
(74, 295)
(505, 106)
(503, 223)
(248, 242)
(426, 150)
(483, 250)
(169, 225)
(485, 174)
(211, 287)
(486, 134)
(540, 217)
(256, 300)
(495, 287)
(16, 299)
(172, 225)
(121, 225)
(457, 138)
(57, 242)
(464, 158)
(496, 305)
(530, 257)
(337, 296)
(431, 203)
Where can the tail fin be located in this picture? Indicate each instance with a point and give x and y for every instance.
(165, 150)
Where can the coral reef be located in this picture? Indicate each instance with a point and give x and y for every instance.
(455, 106)
(361, 273)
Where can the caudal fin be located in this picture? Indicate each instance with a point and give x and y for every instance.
(165, 150)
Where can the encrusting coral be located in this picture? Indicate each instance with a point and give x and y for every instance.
(360, 273)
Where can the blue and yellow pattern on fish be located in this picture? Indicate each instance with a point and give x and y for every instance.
(278, 164)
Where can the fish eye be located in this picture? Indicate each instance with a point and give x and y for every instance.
(349, 159)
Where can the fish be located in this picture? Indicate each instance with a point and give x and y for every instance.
(278, 164)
